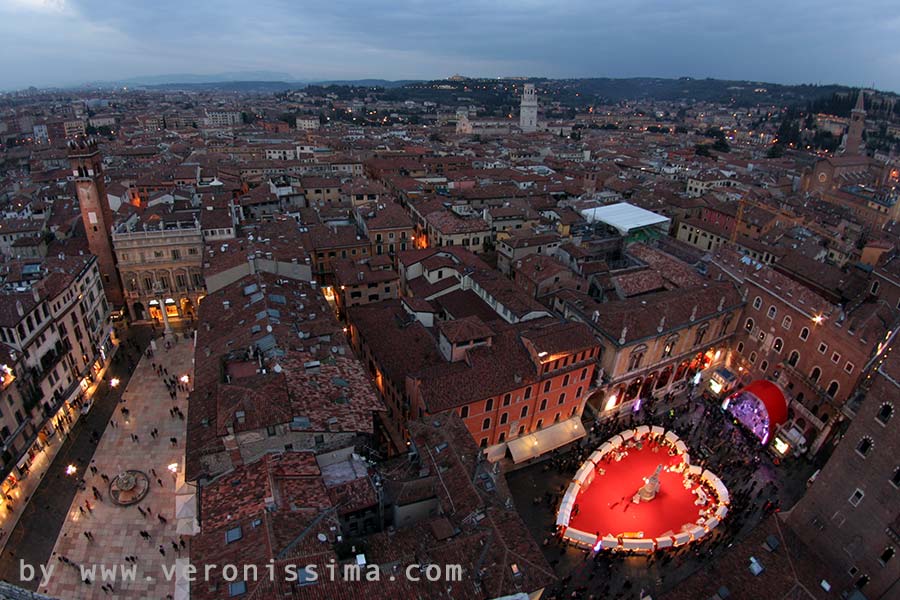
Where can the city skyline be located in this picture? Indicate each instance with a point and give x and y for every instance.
(412, 40)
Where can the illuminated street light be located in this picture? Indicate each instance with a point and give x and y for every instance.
(71, 470)
(818, 319)
(185, 378)
(114, 382)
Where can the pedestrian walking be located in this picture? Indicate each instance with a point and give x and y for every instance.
(162, 550)
(159, 481)
(162, 519)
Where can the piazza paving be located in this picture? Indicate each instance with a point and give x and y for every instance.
(116, 529)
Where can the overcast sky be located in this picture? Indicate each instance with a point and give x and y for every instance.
(59, 42)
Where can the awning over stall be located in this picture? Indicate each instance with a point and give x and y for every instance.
(545, 440)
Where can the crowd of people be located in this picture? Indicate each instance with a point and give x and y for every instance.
(716, 442)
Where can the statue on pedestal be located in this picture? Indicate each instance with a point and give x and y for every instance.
(651, 486)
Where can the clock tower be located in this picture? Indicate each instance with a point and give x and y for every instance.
(87, 168)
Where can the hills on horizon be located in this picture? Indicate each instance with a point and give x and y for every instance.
(575, 90)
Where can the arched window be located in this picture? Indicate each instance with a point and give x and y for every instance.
(670, 345)
(489, 405)
(875, 286)
(786, 322)
(772, 312)
(701, 333)
(757, 303)
(864, 446)
(764, 366)
(885, 413)
(752, 358)
(777, 345)
(725, 323)
(832, 389)
(740, 347)
(636, 358)
(793, 358)
(748, 325)
(815, 374)
(804, 333)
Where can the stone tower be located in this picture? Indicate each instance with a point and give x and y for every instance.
(857, 124)
(87, 168)
(528, 109)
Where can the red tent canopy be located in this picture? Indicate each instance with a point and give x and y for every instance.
(773, 399)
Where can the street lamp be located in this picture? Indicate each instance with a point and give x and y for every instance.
(114, 382)
(185, 378)
(71, 470)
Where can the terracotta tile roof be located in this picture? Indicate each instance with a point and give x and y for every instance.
(286, 327)
(350, 272)
(461, 303)
(790, 571)
(399, 349)
(386, 215)
(464, 329)
(639, 317)
(509, 363)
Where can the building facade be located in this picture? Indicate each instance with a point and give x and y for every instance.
(852, 508)
(162, 270)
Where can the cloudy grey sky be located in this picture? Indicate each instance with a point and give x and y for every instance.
(57, 42)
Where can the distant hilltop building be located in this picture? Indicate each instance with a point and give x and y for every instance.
(528, 109)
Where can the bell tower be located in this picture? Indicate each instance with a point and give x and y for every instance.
(857, 125)
(87, 168)
(528, 109)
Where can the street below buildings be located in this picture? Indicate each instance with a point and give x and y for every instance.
(50, 510)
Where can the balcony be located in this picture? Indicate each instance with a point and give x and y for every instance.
(810, 383)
